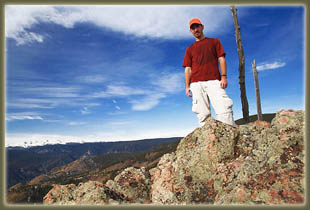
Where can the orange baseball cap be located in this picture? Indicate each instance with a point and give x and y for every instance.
(194, 20)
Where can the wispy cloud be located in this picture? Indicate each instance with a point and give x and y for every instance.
(163, 84)
(120, 123)
(91, 79)
(28, 105)
(73, 123)
(46, 95)
(44, 89)
(168, 82)
(118, 91)
(55, 92)
(40, 95)
(127, 91)
(49, 103)
(148, 102)
(20, 18)
(23, 116)
(270, 66)
(148, 97)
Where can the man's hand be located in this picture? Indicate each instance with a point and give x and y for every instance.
(188, 92)
(224, 82)
(222, 62)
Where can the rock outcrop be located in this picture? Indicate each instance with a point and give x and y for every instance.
(91, 192)
(130, 186)
(253, 164)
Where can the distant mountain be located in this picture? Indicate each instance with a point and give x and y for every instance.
(23, 164)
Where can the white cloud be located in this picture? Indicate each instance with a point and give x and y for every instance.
(23, 116)
(28, 37)
(269, 66)
(19, 19)
(169, 22)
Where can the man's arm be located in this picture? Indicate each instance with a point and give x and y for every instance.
(188, 72)
(222, 62)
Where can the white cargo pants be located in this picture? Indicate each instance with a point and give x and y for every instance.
(206, 91)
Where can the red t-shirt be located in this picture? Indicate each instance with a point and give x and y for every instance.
(202, 56)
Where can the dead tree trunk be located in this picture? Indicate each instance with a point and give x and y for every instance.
(258, 104)
(244, 100)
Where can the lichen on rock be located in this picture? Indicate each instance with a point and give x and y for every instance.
(274, 166)
(133, 184)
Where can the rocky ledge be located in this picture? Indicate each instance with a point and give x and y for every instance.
(259, 163)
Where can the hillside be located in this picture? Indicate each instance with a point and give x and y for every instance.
(23, 164)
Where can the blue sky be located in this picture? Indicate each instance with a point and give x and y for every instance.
(112, 73)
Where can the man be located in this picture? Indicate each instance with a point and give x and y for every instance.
(203, 80)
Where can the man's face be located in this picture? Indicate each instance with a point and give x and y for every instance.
(196, 30)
